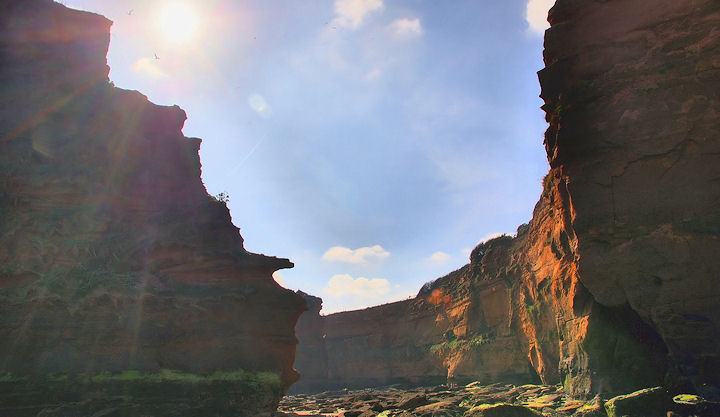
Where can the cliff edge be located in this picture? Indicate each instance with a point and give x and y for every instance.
(119, 275)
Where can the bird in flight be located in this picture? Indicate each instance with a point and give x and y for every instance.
(155, 56)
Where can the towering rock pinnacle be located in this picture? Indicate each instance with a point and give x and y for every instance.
(632, 95)
(114, 260)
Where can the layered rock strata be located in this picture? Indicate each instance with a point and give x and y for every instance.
(613, 284)
(632, 94)
(459, 329)
(113, 257)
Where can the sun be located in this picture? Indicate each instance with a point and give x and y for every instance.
(178, 22)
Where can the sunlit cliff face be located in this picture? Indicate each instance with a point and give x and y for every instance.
(438, 297)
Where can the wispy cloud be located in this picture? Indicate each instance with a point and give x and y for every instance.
(351, 13)
(536, 13)
(357, 256)
(406, 28)
(148, 66)
(439, 257)
(344, 285)
(461, 169)
(373, 75)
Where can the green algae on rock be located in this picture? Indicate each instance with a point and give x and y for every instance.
(648, 402)
(166, 393)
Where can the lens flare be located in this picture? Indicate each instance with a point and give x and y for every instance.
(178, 22)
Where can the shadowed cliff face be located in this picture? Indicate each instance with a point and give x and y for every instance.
(612, 286)
(633, 141)
(311, 350)
(113, 257)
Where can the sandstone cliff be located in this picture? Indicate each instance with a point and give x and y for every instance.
(459, 327)
(632, 94)
(311, 350)
(114, 260)
(613, 284)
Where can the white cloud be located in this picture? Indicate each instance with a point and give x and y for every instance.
(149, 67)
(357, 256)
(536, 13)
(279, 279)
(439, 257)
(351, 13)
(406, 28)
(344, 293)
(345, 285)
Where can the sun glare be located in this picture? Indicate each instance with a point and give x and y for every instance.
(178, 22)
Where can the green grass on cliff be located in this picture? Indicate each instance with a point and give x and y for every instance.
(162, 393)
(8, 377)
(168, 375)
(474, 341)
(268, 379)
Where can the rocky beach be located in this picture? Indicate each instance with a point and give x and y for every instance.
(496, 400)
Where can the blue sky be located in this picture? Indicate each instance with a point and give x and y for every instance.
(372, 142)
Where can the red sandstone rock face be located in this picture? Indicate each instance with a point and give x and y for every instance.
(311, 358)
(632, 95)
(458, 328)
(612, 286)
(112, 254)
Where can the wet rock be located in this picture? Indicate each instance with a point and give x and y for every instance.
(549, 400)
(593, 408)
(691, 404)
(413, 401)
(438, 409)
(649, 402)
(501, 410)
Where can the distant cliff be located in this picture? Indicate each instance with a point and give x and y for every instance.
(613, 284)
(461, 327)
(117, 269)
